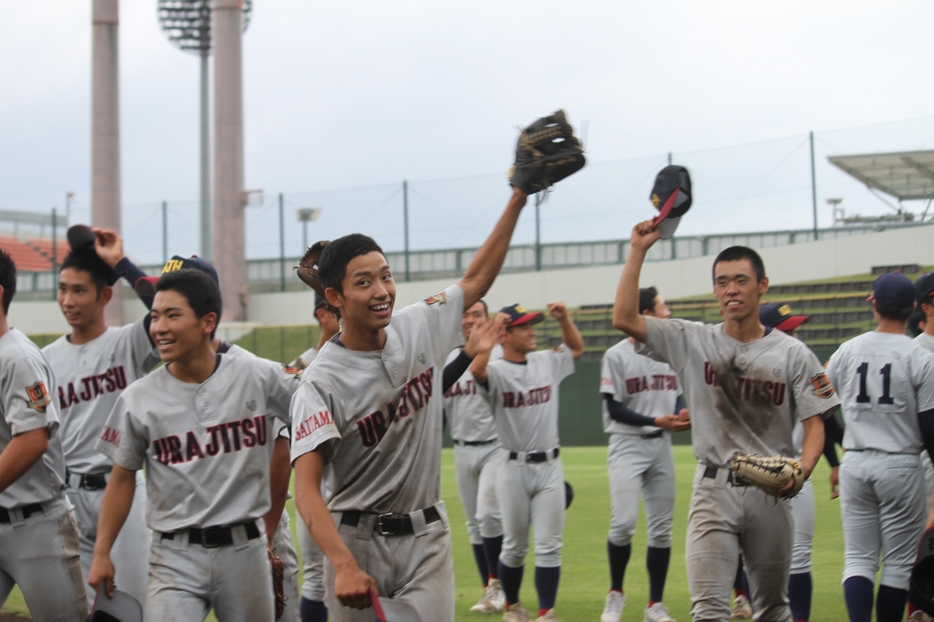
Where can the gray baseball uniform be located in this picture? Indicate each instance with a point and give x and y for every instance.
(884, 380)
(206, 448)
(38, 535)
(476, 452)
(927, 342)
(803, 511)
(639, 458)
(530, 488)
(377, 418)
(743, 397)
(89, 378)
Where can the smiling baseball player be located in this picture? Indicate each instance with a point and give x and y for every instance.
(92, 366)
(476, 462)
(886, 383)
(202, 426)
(746, 387)
(369, 409)
(641, 396)
(523, 389)
(38, 536)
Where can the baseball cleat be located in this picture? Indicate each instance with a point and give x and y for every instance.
(517, 614)
(496, 595)
(481, 605)
(741, 610)
(548, 617)
(613, 609)
(657, 613)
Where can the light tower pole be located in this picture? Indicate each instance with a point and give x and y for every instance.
(105, 126)
(187, 24)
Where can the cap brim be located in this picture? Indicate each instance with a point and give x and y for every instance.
(528, 318)
(667, 228)
(792, 322)
(122, 606)
(667, 207)
(146, 285)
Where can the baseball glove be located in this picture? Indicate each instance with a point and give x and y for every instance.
(278, 582)
(547, 152)
(768, 473)
(307, 267)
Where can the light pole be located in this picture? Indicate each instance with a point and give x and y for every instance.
(835, 207)
(305, 215)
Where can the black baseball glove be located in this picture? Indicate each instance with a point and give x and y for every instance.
(547, 152)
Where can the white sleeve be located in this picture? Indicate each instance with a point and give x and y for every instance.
(122, 439)
(142, 351)
(443, 313)
(563, 360)
(923, 370)
(313, 426)
(811, 388)
(671, 340)
(613, 376)
(280, 385)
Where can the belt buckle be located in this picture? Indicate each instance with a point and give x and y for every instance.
(208, 538)
(380, 529)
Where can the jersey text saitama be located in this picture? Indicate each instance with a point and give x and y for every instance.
(743, 397)
(377, 415)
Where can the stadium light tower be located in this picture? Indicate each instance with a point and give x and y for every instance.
(187, 24)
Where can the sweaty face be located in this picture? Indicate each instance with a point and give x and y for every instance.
(369, 293)
(174, 327)
(521, 338)
(736, 287)
(473, 315)
(79, 299)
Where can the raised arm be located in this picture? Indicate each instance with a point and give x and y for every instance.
(351, 584)
(489, 259)
(109, 247)
(483, 339)
(570, 336)
(626, 306)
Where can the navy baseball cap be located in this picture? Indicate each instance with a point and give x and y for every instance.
(518, 315)
(146, 285)
(914, 322)
(778, 315)
(924, 286)
(894, 290)
(671, 196)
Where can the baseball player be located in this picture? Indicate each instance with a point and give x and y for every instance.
(886, 384)
(640, 396)
(312, 604)
(369, 409)
(476, 461)
(92, 366)
(202, 426)
(746, 387)
(523, 389)
(38, 536)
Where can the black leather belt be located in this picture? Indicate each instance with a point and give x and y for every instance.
(89, 481)
(27, 510)
(390, 524)
(213, 537)
(651, 435)
(536, 456)
(711, 473)
(474, 443)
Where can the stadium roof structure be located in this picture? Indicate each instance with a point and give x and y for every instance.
(907, 175)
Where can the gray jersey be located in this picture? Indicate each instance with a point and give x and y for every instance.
(640, 383)
(309, 355)
(467, 408)
(376, 416)
(288, 380)
(926, 341)
(743, 397)
(524, 397)
(26, 386)
(89, 378)
(884, 381)
(206, 447)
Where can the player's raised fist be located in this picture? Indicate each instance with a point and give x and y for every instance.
(485, 334)
(644, 235)
(109, 246)
(557, 310)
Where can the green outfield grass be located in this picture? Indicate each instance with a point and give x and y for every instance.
(585, 575)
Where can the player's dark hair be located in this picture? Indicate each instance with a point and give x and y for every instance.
(647, 296)
(899, 314)
(739, 253)
(201, 291)
(328, 309)
(332, 266)
(7, 279)
(89, 262)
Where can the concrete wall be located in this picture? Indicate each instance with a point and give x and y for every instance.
(581, 286)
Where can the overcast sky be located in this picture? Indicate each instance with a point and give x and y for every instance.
(363, 93)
